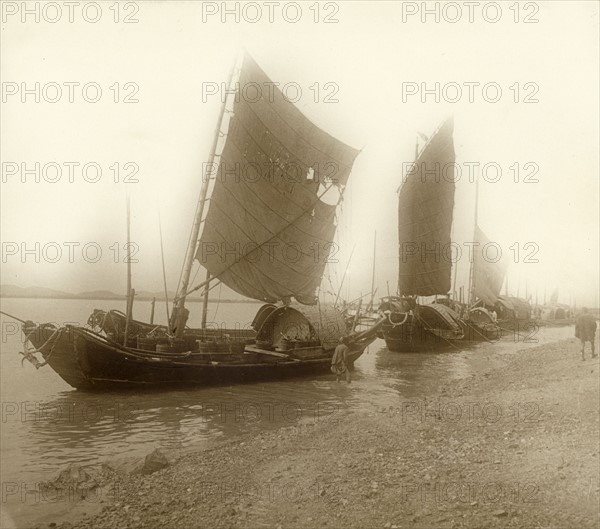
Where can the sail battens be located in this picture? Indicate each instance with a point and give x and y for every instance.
(222, 221)
(267, 232)
(488, 273)
(277, 131)
(272, 195)
(280, 119)
(440, 269)
(425, 208)
(274, 256)
(271, 163)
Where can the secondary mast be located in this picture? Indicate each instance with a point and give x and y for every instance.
(370, 306)
(130, 291)
(398, 291)
(472, 261)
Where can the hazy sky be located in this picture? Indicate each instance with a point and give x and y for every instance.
(373, 58)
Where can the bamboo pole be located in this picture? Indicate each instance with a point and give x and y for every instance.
(370, 305)
(205, 300)
(13, 317)
(357, 315)
(344, 276)
(193, 242)
(162, 256)
(454, 295)
(471, 294)
(129, 305)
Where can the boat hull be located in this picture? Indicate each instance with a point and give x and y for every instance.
(480, 332)
(517, 326)
(88, 361)
(413, 338)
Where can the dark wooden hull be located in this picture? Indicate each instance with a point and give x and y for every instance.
(519, 326)
(480, 332)
(88, 361)
(415, 338)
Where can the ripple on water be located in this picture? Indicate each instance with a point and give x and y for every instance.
(55, 425)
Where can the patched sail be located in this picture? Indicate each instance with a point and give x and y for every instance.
(425, 209)
(489, 269)
(267, 234)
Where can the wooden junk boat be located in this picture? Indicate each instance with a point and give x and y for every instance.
(514, 314)
(279, 207)
(92, 360)
(425, 210)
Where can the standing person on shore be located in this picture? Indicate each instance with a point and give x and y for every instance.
(585, 330)
(339, 361)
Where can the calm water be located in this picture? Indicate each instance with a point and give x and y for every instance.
(46, 424)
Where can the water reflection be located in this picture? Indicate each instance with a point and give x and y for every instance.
(85, 428)
(47, 425)
(417, 374)
(41, 436)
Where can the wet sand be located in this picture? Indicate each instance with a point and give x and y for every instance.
(515, 444)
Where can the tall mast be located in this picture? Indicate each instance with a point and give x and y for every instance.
(373, 275)
(454, 294)
(129, 308)
(471, 297)
(344, 276)
(193, 242)
(205, 300)
(164, 271)
(398, 293)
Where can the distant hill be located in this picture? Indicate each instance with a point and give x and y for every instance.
(13, 291)
(145, 294)
(99, 294)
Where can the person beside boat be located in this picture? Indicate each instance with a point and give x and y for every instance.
(585, 330)
(339, 361)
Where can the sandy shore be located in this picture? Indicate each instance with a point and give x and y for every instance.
(515, 445)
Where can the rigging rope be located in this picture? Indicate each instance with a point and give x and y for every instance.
(218, 301)
(29, 354)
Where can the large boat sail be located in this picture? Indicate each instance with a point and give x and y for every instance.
(267, 230)
(488, 271)
(425, 209)
(265, 235)
(486, 276)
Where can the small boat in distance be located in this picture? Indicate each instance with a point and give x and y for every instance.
(274, 168)
(514, 314)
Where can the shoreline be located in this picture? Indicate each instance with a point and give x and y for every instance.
(124, 298)
(513, 445)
